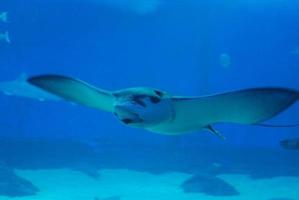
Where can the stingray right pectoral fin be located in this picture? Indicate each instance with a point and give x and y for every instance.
(250, 106)
(75, 91)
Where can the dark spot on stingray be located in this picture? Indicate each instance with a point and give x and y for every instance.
(209, 185)
(127, 121)
(155, 99)
(138, 100)
(116, 95)
(159, 93)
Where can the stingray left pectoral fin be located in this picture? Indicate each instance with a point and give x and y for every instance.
(75, 91)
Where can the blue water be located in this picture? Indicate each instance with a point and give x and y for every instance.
(176, 48)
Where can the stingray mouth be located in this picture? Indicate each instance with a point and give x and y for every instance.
(135, 120)
(131, 121)
(127, 116)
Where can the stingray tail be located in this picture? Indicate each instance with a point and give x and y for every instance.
(278, 125)
(211, 129)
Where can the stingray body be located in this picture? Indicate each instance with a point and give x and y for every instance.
(160, 112)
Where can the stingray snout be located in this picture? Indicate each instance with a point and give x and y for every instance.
(127, 113)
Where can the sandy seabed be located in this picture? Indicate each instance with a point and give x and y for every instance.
(65, 184)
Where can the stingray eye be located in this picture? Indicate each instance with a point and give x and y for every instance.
(159, 93)
(155, 99)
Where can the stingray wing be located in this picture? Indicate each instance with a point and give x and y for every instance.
(74, 90)
(250, 106)
(20, 87)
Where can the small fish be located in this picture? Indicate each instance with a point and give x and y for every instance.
(295, 51)
(292, 144)
(5, 37)
(225, 60)
(3, 17)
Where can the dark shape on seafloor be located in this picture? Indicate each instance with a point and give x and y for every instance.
(42, 153)
(12, 185)
(108, 198)
(209, 185)
(292, 144)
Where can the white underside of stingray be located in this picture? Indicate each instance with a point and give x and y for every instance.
(160, 112)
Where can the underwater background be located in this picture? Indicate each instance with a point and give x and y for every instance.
(187, 48)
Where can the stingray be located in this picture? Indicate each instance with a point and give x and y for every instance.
(160, 112)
